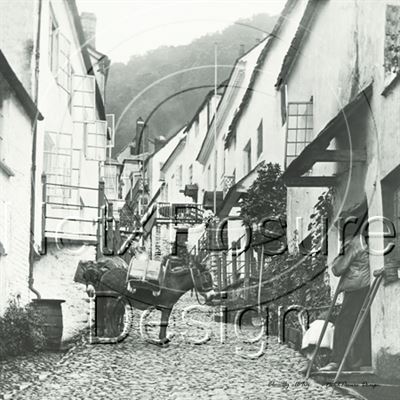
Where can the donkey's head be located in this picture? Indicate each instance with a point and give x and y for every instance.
(90, 275)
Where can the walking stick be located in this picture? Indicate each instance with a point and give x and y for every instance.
(321, 336)
(362, 315)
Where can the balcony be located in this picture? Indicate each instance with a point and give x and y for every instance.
(180, 213)
(172, 213)
(70, 212)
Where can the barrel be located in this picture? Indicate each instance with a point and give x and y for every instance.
(52, 321)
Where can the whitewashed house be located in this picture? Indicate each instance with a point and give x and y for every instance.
(18, 114)
(342, 78)
(66, 77)
(163, 192)
(250, 124)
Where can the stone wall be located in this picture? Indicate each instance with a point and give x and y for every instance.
(53, 278)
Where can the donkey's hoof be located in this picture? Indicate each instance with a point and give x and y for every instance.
(164, 342)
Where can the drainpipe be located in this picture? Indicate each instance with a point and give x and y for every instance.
(34, 144)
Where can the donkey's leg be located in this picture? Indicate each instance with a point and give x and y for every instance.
(165, 314)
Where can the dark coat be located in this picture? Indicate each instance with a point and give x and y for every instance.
(353, 265)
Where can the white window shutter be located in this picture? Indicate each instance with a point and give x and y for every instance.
(83, 98)
(64, 64)
(96, 140)
(58, 165)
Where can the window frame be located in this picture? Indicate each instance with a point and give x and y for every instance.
(92, 150)
(52, 169)
(247, 157)
(190, 173)
(260, 138)
(110, 118)
(306, 129)
(53, 48)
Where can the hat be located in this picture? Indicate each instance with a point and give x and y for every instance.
(359, 211)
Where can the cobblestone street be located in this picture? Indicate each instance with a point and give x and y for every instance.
(135, 369)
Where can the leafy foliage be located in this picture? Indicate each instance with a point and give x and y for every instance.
(266, 196)
(187, 71)
(20, 330)
(300, 278)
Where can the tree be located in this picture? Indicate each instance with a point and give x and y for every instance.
(267, 195)
(266, 198)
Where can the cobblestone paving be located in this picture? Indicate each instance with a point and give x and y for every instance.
(16, 372)
(135, 369)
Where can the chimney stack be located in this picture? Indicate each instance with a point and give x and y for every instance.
(159, 143)
(89, 21)
(241, 49)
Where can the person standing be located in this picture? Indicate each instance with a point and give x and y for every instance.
(354, 269)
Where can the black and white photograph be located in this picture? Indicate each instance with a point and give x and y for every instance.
(200, 199)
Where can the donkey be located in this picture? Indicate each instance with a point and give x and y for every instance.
(176, 283)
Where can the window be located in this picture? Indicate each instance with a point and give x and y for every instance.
(299, 129)
(283, 92)
(260, 139)
(234, 140)
(53, 43)
(179, 177)
(61, 165)
(111, 181)
(110, 118)
(190, 174)
(247, 158)
(64, 70)
(162, 174)
(83, 98)
(96, 140)
(392, 42)
(84, 116)
(166, 196)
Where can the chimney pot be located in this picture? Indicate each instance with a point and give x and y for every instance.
(241, 50)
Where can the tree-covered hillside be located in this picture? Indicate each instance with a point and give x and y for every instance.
(146, 81)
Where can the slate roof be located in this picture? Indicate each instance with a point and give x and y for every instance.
(260, 62)
(297, 41)
(22, 95)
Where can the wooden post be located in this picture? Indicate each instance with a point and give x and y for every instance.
(100, 218)
(253, 264)
(224, 271)
(110, 229)
(234, 262)
(218, 266)
(247, 265)
(43, 247)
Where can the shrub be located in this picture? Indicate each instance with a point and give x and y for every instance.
(20, 330)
